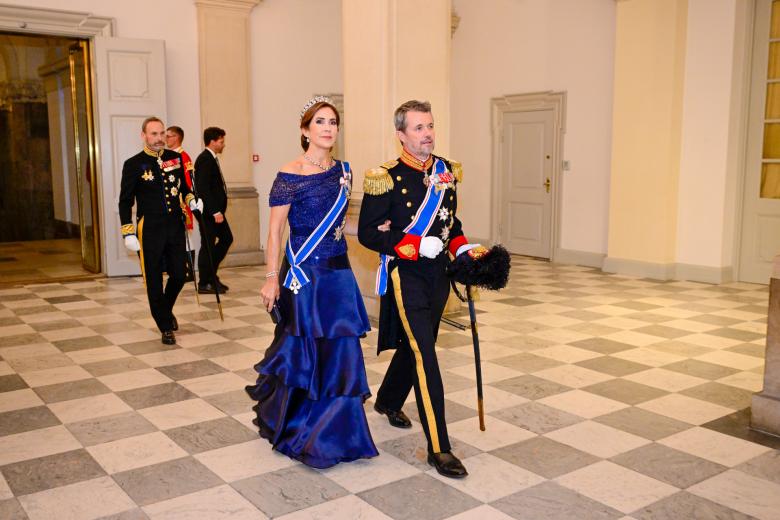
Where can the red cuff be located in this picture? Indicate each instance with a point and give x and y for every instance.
(409, 247)
(456, 242)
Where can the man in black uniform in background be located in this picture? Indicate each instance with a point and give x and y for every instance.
(210, 187)
(154, 180)
(417, 287)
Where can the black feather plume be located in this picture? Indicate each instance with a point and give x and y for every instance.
(489, 272)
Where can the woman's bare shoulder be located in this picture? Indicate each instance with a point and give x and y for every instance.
(294, 166)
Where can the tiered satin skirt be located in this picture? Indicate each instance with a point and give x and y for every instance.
(312, 384)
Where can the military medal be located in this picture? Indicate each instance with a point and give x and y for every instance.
(148, 175)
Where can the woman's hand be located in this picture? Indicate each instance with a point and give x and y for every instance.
(384, 227)
(270, 293)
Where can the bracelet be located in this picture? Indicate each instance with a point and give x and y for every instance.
(271, 274)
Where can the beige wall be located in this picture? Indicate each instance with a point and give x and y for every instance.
(647, 115)
(289, 65)
(509, 47)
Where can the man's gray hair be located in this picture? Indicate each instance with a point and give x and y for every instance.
(410, 106)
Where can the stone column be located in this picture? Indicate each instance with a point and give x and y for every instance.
(765, 408)
(401, 49)
(223, 48)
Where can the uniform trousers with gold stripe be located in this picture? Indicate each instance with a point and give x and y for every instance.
(420, 290)
(162, 248)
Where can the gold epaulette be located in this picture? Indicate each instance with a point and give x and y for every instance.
(128, 229)
(457, 170)
(377, 182)
(392, 163)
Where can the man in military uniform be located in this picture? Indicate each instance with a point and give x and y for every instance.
(154, 180)
(417, 195)
(174, 137)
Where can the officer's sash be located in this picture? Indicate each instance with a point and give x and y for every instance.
(296, 278)
(422, 222)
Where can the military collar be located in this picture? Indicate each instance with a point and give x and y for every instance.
(151, 153)
(413, 162)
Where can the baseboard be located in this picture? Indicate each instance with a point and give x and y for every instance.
(574, 257)
(242, 258)
(642, 269)
(704, 273)
(671, 271)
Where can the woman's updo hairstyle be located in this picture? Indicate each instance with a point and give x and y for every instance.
(307, 115)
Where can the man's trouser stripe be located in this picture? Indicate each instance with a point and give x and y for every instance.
(419, 367)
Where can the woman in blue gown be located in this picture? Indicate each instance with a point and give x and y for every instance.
(312, 383)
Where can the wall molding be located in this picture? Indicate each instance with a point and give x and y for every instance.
(54, 21)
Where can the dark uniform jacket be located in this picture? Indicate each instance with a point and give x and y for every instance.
(156, 183)
(209, 184)
(394, 192)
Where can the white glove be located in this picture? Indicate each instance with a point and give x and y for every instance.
(196, 205)
(466, 247)
(131, 243)
(430, 247)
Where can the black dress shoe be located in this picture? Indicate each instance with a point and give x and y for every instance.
(206, 289)
(396, 418)
(168, 337)
(222, 286)
(447, 464)
(175, 322)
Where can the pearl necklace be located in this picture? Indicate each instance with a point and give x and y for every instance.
(317, 164)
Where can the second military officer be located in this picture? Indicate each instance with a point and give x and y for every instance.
(417, 194)
(153, 179)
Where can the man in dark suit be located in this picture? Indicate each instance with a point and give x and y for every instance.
(210, 187)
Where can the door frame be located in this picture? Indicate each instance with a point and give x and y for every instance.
(530, 102)
(750, 131)
(82, 25)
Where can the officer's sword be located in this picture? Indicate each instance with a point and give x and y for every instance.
(477, 358)
(192, 260)
(205, 238)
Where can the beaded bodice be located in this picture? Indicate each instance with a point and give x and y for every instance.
(310, 197)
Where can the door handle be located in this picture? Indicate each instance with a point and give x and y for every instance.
(547, 185)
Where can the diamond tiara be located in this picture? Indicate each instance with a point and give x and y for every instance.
(313, 101)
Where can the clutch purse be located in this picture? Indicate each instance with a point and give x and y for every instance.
(276, 315)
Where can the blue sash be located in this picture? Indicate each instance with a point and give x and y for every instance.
(296, 278)
(422, 222)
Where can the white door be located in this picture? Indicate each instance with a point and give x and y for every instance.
(130, 81)
(526, 182)
(761, 203)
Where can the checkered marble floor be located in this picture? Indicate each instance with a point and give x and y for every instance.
(606, 397)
